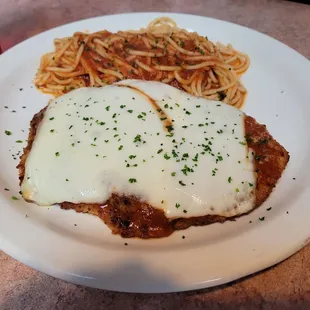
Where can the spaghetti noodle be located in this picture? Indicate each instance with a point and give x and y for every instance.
(161, 52)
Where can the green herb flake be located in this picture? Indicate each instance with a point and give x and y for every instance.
(159, 151)
(19, 141)
(177, 205)
(120, 147)
(182, 183)
(237, 190)
(129, 111)
(166, 156)
(137, 139)
(132, 156)
(169, 128)
(57, 154)
(174, 153)
(107, 108)
(221, 95)
(173, 174)
(14, 198)
(242, 143)
(132, 180)
(262, 218)
(196, 157)
(229, 180)
(51, 118)
(8, 133)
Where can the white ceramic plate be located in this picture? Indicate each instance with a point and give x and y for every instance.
(81, 249)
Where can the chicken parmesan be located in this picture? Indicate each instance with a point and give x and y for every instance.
(148, 158)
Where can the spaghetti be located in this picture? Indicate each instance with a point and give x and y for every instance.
(161, 52)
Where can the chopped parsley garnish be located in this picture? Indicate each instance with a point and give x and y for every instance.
(242, 143)
(173, 174)
(262, 218)
(8, 133)
(52, 130)
(166, 156)
(159, 151)
(196, 157)
(219, 158)
(237, 190)
(174, 153)
(57, 154)
(120, 147)
(182, 183)
(19, 141)
(129, 111)
(185, 155)
(122, 106)
(177, 205)
(169, 128)
(229, 180)
(137, 139)
(51, 118)
(221, 95)
(14, 198)
(186, 169)
(108, 108)
(132, 181)
(132, 156)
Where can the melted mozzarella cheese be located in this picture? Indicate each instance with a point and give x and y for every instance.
(180, 153)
